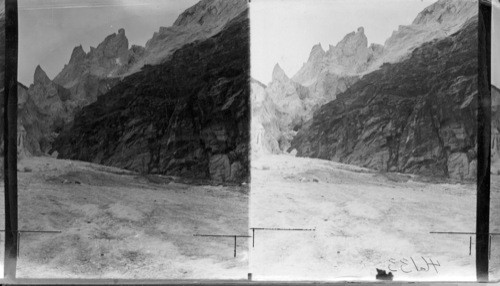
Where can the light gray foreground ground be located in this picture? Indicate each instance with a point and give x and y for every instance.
(117, 224)
(363, 219)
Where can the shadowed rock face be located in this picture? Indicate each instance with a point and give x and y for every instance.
(331, 72)
(45, 107)
(416, 116)
(90, 75)
(266, 129)
(189, 116)
(199, 22)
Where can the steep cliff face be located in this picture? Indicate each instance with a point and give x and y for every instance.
(353, 56)
(289, 98)
(89, 75)
(437, 21)
(33, 126)
(189, 116)
(416, 116)
(114, 58)
(199, 22)
(42, 110)
(107, 60)
(47, 95)
(266, 132)
(329, 73)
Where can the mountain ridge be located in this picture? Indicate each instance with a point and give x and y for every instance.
(331, 72)
(188, 117)
(88, 75)
(415, 116)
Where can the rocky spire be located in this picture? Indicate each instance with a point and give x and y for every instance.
(114, 45)
(40, 76)
(279, 74)
(77, 55)
(352, 43)
(317, 53)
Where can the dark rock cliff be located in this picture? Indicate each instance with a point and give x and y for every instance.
(417, 116)
(189, 116)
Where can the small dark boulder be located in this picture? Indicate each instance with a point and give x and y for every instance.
(382, 275)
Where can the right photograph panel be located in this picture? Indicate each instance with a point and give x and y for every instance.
(364, 140)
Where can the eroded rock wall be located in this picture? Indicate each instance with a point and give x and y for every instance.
(416, 116)
(189, 116)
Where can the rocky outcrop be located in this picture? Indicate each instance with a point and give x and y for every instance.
(319, 81)
(47, 95)
(199, 22)
(114, 58)
(42, 110)
(353, 56)
(437, 21)
(289, 98)
(32, 125)
(189, 116)
(107, 60)
(350, 56)
(267, 134)
(417, 116)
(329, 73)
(89, 75)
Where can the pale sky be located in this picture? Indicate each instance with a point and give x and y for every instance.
(50, 29)
(495, 44)
(284, 31)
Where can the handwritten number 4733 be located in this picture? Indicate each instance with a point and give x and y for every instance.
(408, 266)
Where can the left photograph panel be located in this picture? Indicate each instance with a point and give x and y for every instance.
(133, 139)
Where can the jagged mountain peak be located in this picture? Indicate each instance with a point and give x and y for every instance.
(317, 48)
(317, 52)
(352, 41)
(444, 10)
(354, 35)
(114, 45)
(437, 21)
(78, 54)
(209, 11)
(40, 76)
(203, 20)
(404, 140)
(348, 56)
(220, 137)
(105, 61)
(279, 74)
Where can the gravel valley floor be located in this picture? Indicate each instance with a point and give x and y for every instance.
(363, 220)
(118, 224)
